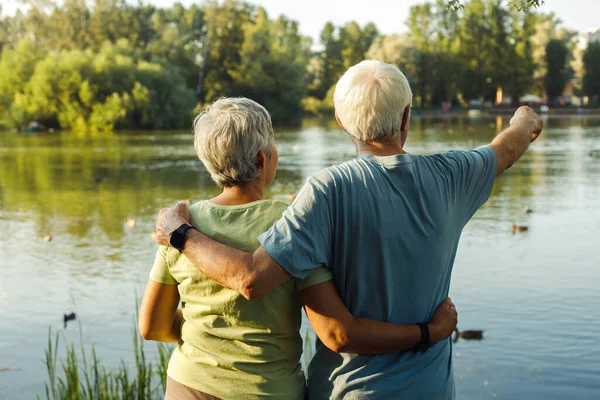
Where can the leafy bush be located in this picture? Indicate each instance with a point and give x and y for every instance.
(86, 91)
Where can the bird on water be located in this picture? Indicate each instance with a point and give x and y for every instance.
(68, 317)
(468, 335)
(519, 228)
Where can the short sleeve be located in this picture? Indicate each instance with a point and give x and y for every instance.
(301, 240)
(317, 276)
(474, 172)
(160, 270)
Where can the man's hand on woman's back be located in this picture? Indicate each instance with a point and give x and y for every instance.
(443, 322)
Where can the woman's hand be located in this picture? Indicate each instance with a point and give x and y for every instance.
(443, 322)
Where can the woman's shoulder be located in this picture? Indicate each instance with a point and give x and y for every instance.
(265, 207)
(277, 206)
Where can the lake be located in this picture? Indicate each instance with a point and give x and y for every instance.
(534, 293)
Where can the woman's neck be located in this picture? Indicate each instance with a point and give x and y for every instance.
(240, 194)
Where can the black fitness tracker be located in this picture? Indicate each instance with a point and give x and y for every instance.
(178, 236)
(425, 339)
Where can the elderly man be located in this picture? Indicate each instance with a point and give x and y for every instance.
(387, 225)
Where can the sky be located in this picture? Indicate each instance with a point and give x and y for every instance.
(388, 15)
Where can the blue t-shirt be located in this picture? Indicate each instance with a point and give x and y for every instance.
(388, 228)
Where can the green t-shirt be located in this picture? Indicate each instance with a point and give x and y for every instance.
(231, 347)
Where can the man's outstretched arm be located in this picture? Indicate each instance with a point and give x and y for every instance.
(510, 144)
(253, 275)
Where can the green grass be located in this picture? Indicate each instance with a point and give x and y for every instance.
(84, 377)
(80, 375)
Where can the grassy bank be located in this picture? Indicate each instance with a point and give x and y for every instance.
(79, 374)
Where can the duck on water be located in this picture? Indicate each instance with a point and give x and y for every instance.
(467, 335)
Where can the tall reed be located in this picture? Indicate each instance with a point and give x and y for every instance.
(83, 377)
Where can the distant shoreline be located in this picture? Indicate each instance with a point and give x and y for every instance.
(490, 112)
(428, 113)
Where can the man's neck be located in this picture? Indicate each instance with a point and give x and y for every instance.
(381, 148)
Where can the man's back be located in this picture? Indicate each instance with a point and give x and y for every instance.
(388, 228)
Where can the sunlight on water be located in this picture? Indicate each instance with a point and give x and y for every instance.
(534, 292)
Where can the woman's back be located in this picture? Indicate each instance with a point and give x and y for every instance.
(231, 347)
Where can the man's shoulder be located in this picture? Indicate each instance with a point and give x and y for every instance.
(455, 158)
(335, 173)
(484, 151)
(325, 183)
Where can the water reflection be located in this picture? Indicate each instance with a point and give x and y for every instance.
(528, 290)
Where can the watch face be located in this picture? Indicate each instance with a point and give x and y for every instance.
(177, 239)
(178, 236)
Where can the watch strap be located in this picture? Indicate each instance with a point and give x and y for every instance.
(177, 239)
(425, 342)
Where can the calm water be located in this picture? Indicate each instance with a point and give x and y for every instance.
(535, 293)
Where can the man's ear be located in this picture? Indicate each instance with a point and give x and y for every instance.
(344, 129)
(339, 122)
(261, 159)
(405, 119)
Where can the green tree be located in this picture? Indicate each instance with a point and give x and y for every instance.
(591, 77)
(331, 61)
(520, 64)
(179, 36)
(123, 65)
(433, 30)
(546, 28)
(85, 91)
(422, 31)
(558, 71)
(497, 53)
(273, 67)
(354, 42)
(222, 59)
(521, 5)
(111, 20)
(17, 66)
(69, 25)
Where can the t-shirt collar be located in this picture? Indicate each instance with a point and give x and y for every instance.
(389, 161)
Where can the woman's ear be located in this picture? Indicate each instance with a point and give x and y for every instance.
(261, 159)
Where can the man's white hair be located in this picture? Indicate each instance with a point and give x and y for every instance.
(228, 135)
(370, 99)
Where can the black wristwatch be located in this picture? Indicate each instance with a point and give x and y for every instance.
(178, 236)
(425, 339)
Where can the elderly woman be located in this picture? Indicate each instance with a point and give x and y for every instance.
(228, 346)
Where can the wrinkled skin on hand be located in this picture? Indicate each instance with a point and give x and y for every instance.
(170, 219)
(525, 113)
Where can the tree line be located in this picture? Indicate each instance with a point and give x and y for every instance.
(111, 64)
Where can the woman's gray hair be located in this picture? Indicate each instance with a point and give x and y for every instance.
(228, 135)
